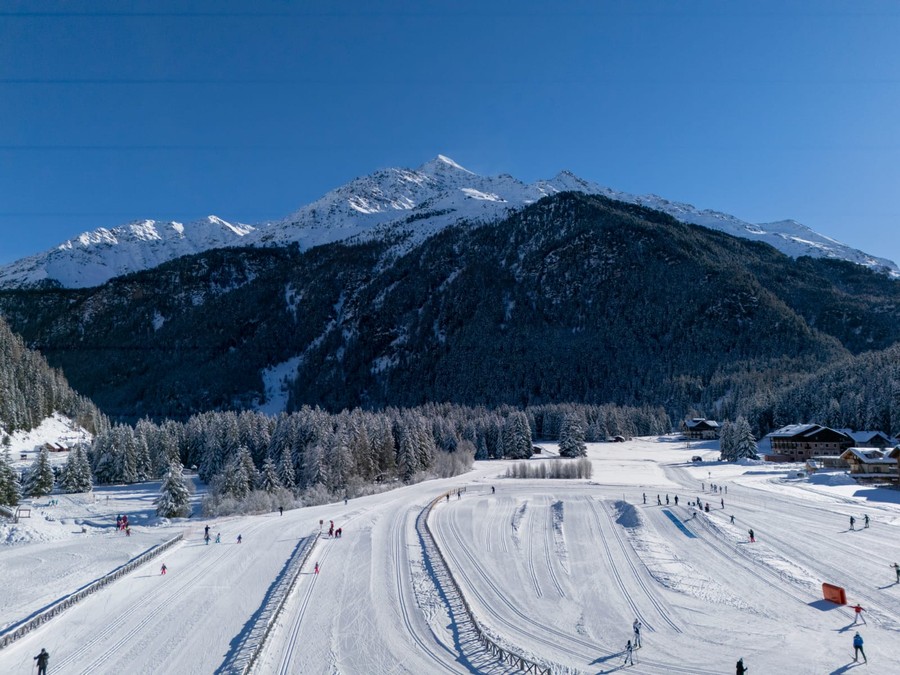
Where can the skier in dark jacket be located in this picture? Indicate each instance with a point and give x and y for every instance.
(42, 660)
(740, 669)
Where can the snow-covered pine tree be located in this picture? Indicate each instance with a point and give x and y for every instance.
(40, 476)
(76, 473)
(174, 500)
(286, 474)
(406, 455)
(745, 441)
(268, 477)
(727, 441)
(10, 490)
(517, 437)
(571, 437)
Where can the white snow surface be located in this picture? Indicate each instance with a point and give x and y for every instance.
(555, 570)
(414, 203)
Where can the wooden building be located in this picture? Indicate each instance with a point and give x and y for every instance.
(800, 442)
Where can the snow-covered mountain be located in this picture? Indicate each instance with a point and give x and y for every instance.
(95, 257)
(412, 203)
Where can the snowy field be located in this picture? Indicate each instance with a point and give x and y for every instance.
(554, 569)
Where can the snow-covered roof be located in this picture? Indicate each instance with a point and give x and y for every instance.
(701, 421)
(869, 455)
(866, 436)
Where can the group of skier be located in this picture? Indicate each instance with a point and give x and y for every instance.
(122, 525)
(865, 521)
(218, 536)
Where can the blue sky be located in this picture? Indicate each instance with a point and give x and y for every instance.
(112, 111)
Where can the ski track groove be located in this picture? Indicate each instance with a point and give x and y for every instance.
(399, 541)
(531, 569)
(548, 547)
(297, 618)
(651, 596)
(545, 632)
(612, 565)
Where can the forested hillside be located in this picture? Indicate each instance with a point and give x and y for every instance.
(577, 298)
(31, 391)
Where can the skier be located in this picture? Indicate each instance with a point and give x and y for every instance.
(331, 529)
(448, 496)
(865, 520)
(206, 531)
(493, 489)
(852, 522)
(637, 633)
(676, 500)
(628, 655)
(218, 537)
(732, 519)
(42, 660)
(280, 510)
(239, 539)
(316, 570)
(667, 500)
(857, 613)
(645, 497)
(740, 668)
(752, 537)
(723, 503)
(707, 507)
(897, 570)
(162, 570)
(858, 647)
(658, 501)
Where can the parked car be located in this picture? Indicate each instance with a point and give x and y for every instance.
(696, 458)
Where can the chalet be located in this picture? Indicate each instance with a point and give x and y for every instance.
(870, 439)
(700, 428)
(871, 464)
(56, 447)
(800, 442)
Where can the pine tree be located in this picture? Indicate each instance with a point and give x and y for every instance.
(76, 474)
(40, 475)
(10, 490)
(174, 498)
(727, 441)
(745, 442)
(286, 473)
(571, 437)
(268, 478)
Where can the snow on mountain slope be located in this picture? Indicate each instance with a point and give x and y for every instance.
(413, 204)
(95, 257)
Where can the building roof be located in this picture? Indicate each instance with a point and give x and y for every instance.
(801, 432)
(866, 436)
(869, 456)
(701, 422)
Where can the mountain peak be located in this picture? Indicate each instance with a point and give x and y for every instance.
(442, 163)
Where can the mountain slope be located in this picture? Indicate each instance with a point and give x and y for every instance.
(399, 205)
(575, 298)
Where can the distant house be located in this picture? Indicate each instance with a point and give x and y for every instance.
(56, 447)
(700, 428)
(870, 439)
(800, 442)
(872, 464)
